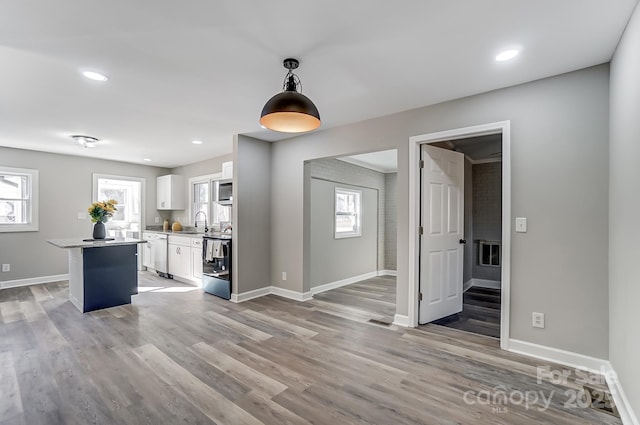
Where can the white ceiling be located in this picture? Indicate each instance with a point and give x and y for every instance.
(202, 69)
(382, 161)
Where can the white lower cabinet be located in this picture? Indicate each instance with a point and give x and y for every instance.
(180, 257)
(196, 259)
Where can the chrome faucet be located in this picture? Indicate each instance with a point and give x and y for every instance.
(206, 229)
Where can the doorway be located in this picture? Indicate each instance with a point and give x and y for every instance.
(420, 283)
(479, 311)
(352, 235)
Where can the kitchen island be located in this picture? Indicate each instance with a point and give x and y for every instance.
(101, 273)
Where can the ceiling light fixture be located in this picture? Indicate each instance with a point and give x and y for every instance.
(147, 160)
(507, 55)
(85, 141)
(197, 142)
(95, 76)
(290, 111)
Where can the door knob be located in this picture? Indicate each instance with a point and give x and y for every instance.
(463, 241)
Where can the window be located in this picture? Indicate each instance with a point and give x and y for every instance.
(128, 194)
(202, 199)
(348, 214)
(489, 253)
(18, 200)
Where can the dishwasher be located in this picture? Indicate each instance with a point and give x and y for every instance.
(159, 253)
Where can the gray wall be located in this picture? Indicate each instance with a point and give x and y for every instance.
(624, 205)
(469, 260)
(559, 135)
(337, 259)
(65, 186)
(251, 214)
(344, 172)
(390, 221)
(487, 214)
(201, 168)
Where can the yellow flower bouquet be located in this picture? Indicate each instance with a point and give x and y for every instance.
(100, 212)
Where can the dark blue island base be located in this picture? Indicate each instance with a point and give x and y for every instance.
(102, 274)
(110, 276)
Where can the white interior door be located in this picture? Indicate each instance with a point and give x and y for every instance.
(441, 244)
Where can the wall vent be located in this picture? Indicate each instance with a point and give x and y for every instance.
(489, 253)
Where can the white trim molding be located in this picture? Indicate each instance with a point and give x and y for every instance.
(340, 283)
(386, 272)
(401, 320)
(485, 283)
(582, 362)
(556, 355)
(502, 127)
(33, 281)
(620, 399)
(292, 295)
(246, 296)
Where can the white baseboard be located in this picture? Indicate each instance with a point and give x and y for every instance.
(348, 281)
(556, 355)
(246, 296)
(485, 283)
(580, 361)
(467, 285)
(340, 283)
(292, 295)
(401, 320)
(620, 399)
(33, 281)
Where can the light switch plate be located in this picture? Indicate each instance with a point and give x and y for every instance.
(521, 225)
(82, 216)
(6, 268)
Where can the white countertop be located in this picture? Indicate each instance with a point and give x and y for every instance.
(79, 243)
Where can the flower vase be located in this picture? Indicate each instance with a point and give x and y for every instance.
(99, 231)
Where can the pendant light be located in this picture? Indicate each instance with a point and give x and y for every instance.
(290, 111)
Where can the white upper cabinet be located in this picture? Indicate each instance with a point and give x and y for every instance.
(171, 190)
(227, 170)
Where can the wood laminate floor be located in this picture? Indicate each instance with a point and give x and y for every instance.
(180, 356)
(370, 299)
(480, 313)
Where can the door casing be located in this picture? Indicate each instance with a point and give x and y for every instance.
(501, 127)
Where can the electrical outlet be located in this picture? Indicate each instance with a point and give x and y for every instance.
(157, 220)
(6, 268)
(284, 275)
(537, 320)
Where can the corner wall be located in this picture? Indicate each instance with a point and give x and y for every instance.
(624, 209)
(251, 214)
(559, 142)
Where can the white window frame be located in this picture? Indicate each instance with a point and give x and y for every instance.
(210, 179)
(32, 201)
(358, 213)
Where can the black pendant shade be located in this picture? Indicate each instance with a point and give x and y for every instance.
(290, 111)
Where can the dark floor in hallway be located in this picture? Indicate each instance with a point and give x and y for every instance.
(480, 313)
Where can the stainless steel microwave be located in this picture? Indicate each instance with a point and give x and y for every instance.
(224, 192)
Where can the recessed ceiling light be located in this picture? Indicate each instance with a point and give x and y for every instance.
(507, 55)
(96, 76)
(147, 159)
(85, 141)
(197, 142)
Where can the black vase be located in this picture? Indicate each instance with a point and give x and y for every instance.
(99, 231)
